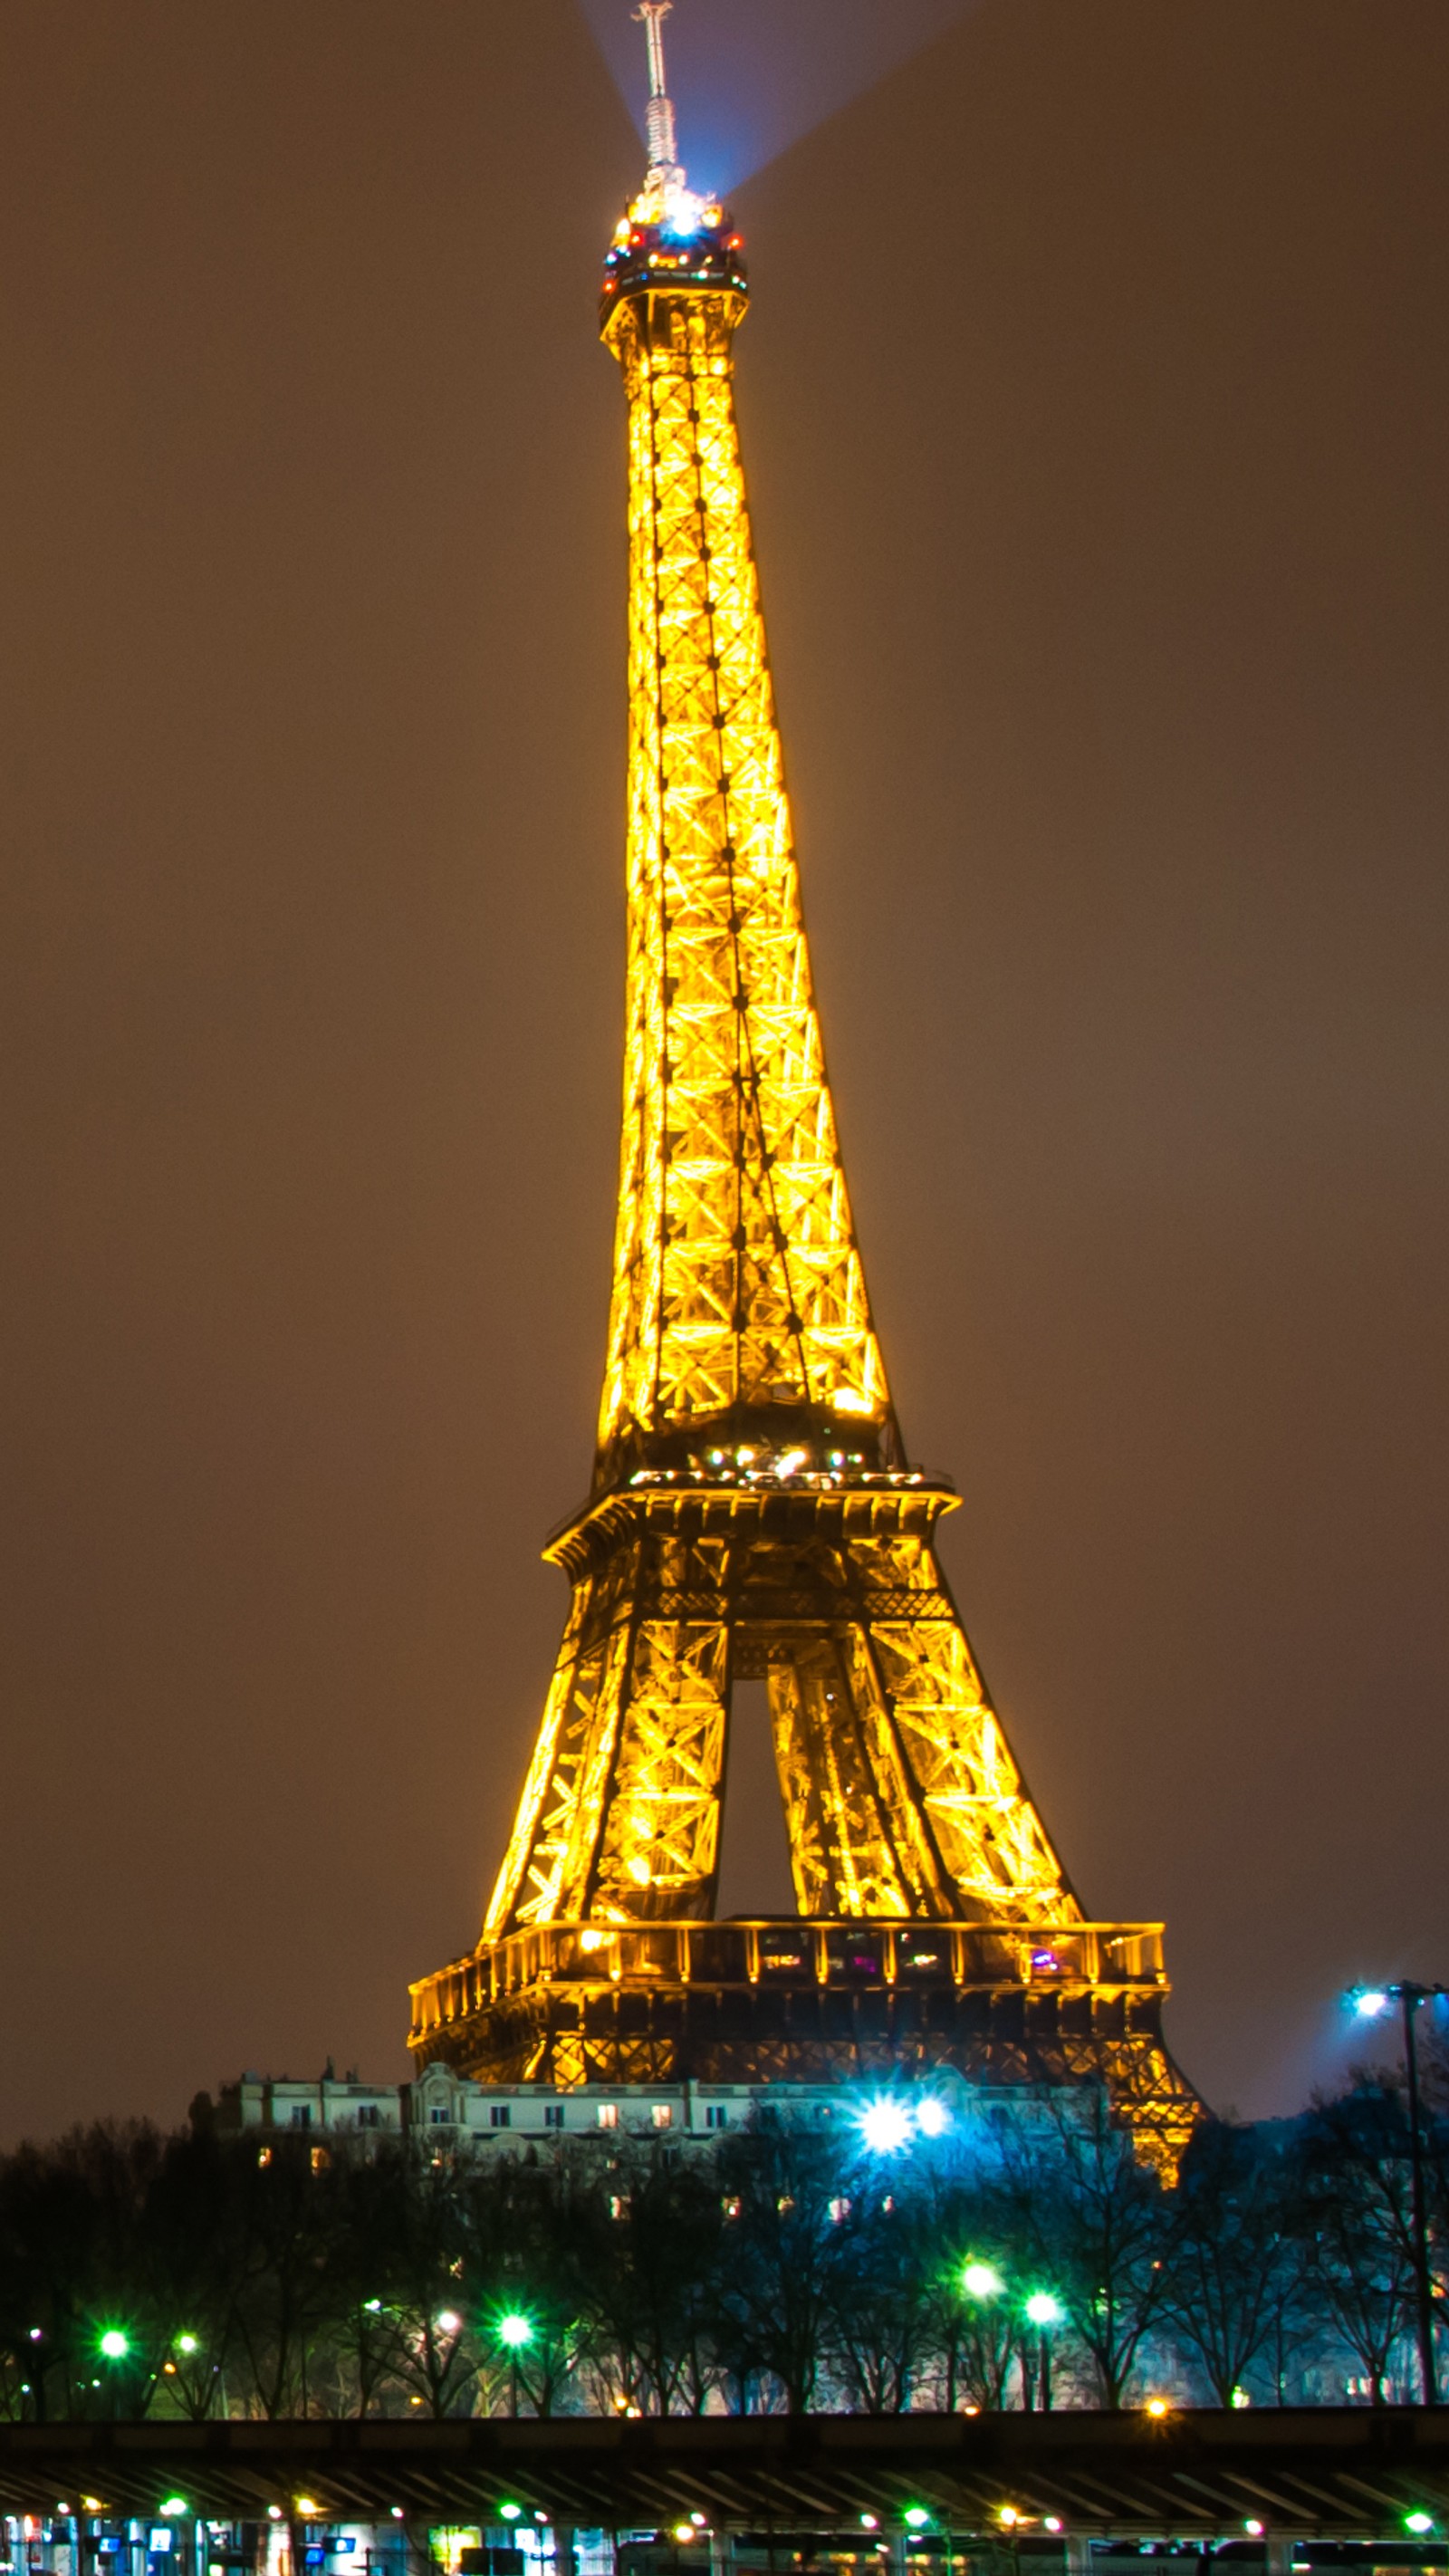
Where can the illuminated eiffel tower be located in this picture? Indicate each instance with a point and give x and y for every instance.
(753, 1512)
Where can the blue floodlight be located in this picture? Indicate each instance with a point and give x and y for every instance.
(886, 2126)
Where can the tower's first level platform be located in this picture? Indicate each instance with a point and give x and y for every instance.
(815, 2002)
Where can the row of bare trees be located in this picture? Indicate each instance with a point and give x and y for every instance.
(1026, 2260)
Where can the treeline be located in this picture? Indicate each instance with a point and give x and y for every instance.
(1028, 2260)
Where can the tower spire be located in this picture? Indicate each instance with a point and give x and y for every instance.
(664, 170)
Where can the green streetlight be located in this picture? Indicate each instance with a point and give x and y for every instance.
(1042, 2310)
(114, 2344)
(515, 2333)
(982, 2281)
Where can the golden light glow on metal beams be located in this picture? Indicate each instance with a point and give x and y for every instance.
(901, 1795)
(737, 1279)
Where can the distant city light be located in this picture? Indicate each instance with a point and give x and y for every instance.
(915, 2517)
(172, 2505)
(1053, 2522)
(1253, 2527)
(510, 2512)
(932, 2117)
(450, 2322)
(1419, 2523)
(187, 2343)
(1157, 2406)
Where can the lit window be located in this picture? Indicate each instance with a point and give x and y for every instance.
(608, 2115)
(663, 2115)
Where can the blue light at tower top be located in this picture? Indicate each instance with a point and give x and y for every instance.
(753, 77)
(670, 236)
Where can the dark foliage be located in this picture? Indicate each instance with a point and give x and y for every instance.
(780, 2267)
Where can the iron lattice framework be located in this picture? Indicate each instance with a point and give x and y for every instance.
(753, 1513)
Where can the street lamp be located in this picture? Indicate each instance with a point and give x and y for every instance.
(515, 2333)
(1043, 2311)
(982, 2281)
(1369, 2002)
(886, 2126)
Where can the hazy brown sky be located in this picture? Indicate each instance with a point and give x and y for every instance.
(1095, 410)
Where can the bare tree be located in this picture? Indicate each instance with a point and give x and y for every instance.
(1094, 2220)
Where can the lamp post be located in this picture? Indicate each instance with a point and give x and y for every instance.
(515, 2333)
(1368, 2002)
(1044, 2312)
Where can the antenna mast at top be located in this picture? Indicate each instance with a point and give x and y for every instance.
(659, 114)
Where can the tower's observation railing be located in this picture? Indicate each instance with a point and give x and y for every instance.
(1050, 1959)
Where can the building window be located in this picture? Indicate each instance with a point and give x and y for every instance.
(438, 2116)
(369, 2115)
(662, 2115)
(716, 2116)
(301, 2115)
(553, 2115)
(500, 2115)
(608, 2115)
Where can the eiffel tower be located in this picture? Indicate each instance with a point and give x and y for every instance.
(754, 1512)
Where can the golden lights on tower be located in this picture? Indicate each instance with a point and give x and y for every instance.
(753, 1511)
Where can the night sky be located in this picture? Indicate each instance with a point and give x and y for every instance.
(1094, 400)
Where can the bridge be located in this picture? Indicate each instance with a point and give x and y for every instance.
(1262, 2482)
